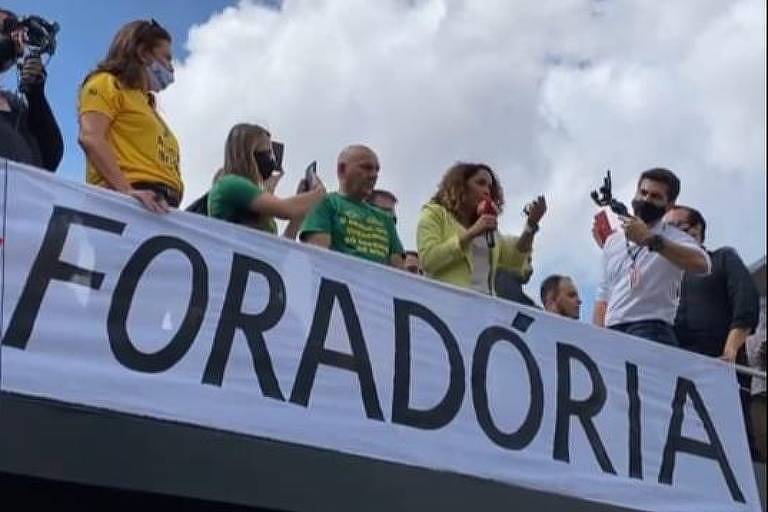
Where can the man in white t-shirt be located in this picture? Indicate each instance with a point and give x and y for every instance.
(643, 264)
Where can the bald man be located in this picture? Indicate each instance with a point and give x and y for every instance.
(344, 222)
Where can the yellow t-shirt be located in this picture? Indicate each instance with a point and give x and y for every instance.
(145, 147)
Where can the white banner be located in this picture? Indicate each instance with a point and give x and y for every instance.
(190, 319)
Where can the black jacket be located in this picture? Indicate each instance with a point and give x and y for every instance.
(712, 305)
(29, 134)
(509, 287)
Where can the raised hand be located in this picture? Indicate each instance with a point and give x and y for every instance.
(536, 210)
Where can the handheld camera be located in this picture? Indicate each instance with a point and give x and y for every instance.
(39, 37)
(40, 34)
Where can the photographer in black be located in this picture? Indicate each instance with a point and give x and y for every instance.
(28, 131)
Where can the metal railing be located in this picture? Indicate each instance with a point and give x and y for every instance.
(752, 372)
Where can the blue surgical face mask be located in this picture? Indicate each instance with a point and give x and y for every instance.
(159, 76)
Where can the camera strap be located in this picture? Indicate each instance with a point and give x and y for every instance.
(634, 272)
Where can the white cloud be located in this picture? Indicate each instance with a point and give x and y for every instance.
(549, 93)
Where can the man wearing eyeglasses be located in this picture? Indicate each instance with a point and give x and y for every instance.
(719, 310)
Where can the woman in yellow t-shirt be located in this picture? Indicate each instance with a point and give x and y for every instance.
(129, 148)
(243, 190)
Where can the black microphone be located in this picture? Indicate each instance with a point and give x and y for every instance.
(487, 208)
(490, 239)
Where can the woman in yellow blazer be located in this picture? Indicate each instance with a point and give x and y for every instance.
(457, 239)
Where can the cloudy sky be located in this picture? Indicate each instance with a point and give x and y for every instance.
(550, 94)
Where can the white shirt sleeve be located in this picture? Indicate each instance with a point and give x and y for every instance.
(603, 291)
(683, 238)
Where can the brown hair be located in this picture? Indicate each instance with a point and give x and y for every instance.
(452, 191)
(124, 56)
(238, 152)
(664, 176)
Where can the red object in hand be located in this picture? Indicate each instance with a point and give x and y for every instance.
(486, 206)
(603, 227)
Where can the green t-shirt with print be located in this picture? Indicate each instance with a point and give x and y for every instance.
(230, 199)
(355, 228)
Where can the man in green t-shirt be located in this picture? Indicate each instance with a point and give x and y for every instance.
(343, 222)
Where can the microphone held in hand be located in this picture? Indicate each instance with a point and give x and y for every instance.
(487, 208)
(490, 239)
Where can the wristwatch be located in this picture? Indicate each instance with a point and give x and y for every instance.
(655, 243)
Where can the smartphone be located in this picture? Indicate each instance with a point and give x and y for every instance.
(603, 227)
(277, 149)
(310, 175)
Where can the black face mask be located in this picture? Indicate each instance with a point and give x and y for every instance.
(648, 211)
(266, 163)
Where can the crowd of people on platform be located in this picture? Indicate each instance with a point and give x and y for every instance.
(659, 280)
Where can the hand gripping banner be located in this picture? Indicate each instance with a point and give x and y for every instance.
(186, 318)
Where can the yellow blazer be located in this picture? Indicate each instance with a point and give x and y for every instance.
(442, 257)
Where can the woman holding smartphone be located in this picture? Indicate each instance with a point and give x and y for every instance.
(241, 194)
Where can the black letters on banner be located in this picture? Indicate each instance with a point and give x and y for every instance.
(252, 325)
(584, 410)
(442, 413)
(48, 266)
(315, 352)
(677, 443)
(122, 347)
(635, 438)
(523, 436)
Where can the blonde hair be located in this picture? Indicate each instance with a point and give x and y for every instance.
(239, 156)
(452, 191)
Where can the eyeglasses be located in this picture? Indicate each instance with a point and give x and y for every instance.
(682, 226)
